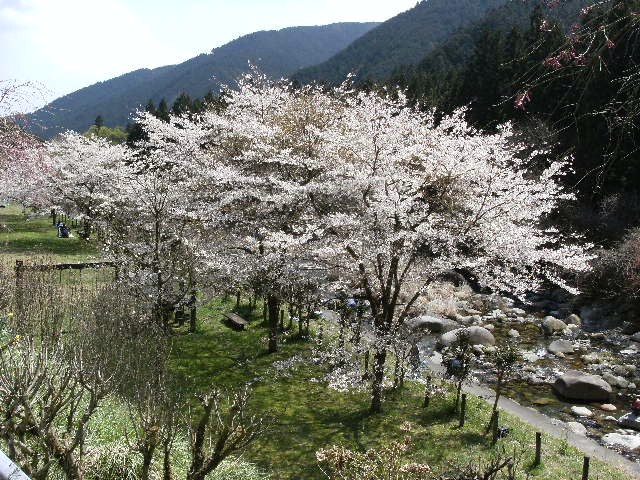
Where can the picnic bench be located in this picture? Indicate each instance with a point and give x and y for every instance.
(236, 321)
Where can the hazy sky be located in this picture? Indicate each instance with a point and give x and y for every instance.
(69, 44)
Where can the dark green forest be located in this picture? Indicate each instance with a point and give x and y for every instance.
(402, 40)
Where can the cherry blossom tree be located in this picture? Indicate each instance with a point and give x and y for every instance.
(380, 196)
(21, 153)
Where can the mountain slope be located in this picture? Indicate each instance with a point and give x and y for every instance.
(460, 46)
(277, 53)
(405, 39)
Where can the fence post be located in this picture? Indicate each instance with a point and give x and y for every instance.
(53, 216)
(538, 459)
(193, 312)
(19, 286)
(463, 410)
(585, 469)
(495, 422)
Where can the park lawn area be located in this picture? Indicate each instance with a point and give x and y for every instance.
(306, 415)
(24, 234)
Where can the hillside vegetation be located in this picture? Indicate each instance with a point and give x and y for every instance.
(277, 53)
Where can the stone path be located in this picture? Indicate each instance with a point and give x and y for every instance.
(553, 427)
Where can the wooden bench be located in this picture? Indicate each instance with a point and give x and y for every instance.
(236, 321)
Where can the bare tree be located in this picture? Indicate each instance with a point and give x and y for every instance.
(221, 429)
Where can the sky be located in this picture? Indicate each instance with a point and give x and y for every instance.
(65, 45)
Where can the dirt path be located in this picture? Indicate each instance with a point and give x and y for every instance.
(553, 427)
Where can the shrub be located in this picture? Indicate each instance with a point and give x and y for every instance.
(616, 273)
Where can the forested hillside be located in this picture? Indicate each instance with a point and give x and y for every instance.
(573, 89)
(402, 40)
(277, 53)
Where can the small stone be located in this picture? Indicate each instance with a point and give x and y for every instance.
(615, 380)
(530, 356)
(561, 346)
(534, 380)
(514, 333)
(581, 411)
(609, 418)
(577, 428)
(607, 407)
(559, 354)
(631, 386)
(591, 358)
(490, 326)
(620, 370)
(636, 337)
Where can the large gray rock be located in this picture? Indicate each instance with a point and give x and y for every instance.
(581, 386)
(561, 346)
(553, 326)
(477, 336)
(630, 420)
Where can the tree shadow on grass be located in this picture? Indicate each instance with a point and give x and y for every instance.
(437, 415)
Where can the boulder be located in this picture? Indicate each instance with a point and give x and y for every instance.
(577, 428)
(630, 420)
(581, 386)
(427, 323)
(552, 326)
(561, 346)
(630, 442)
(477, 336)
(581, 412)
(573, 319)
(636, 337)
(513, 333)
(591, 358)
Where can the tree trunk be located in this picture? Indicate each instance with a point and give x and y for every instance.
(379, 360)
(300, 323)
(495, 403)
(273, 306)
(458, 392)
(167, 473)
(147, 458)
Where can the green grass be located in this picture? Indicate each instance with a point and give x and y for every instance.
(304, 414)
(22, 236)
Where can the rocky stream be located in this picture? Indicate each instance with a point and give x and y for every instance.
(578, 368)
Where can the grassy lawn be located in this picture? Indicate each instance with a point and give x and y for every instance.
(304, 414)
(23, 234)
